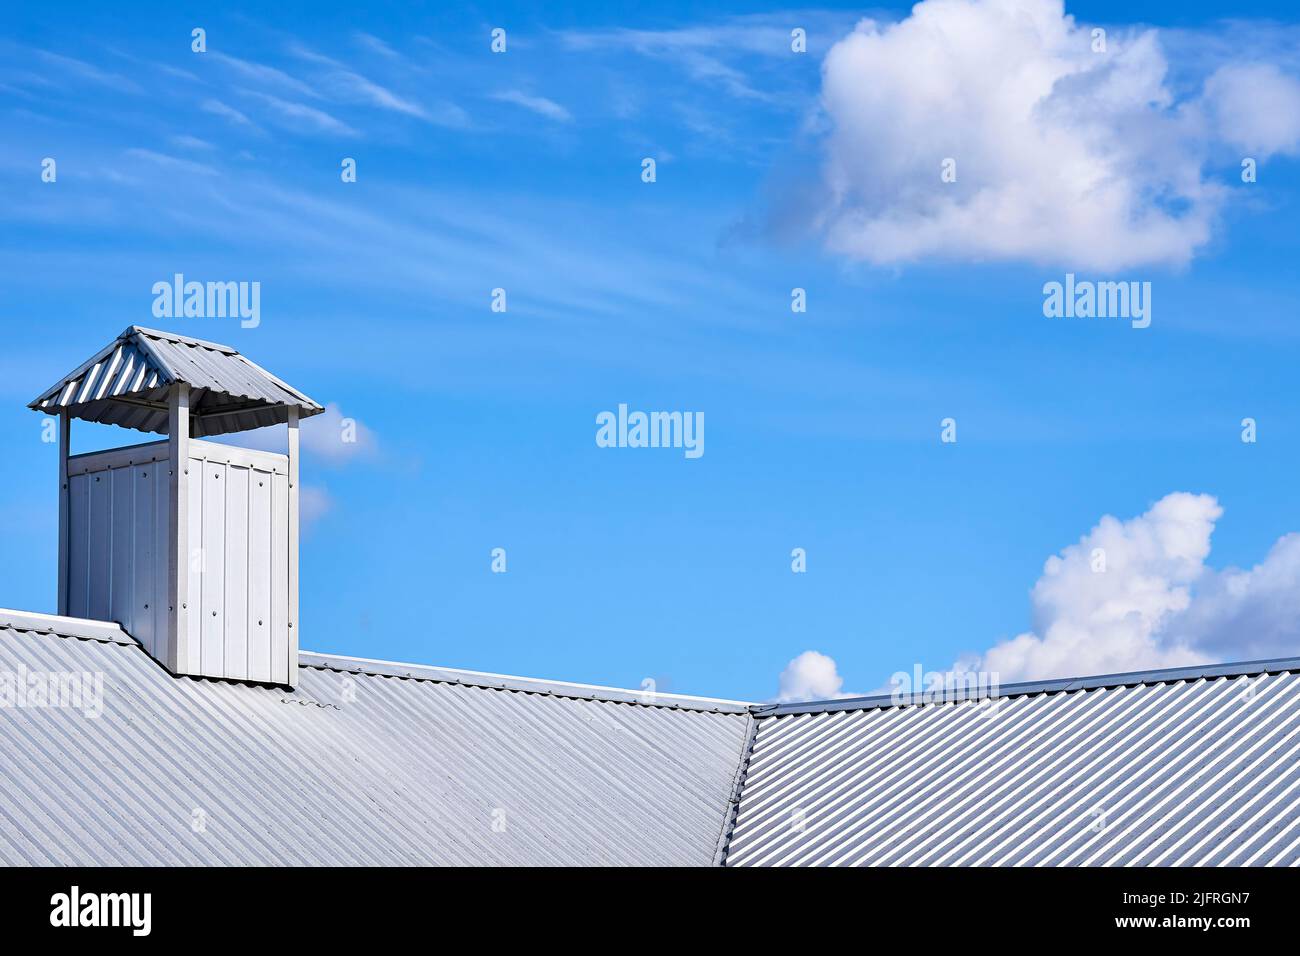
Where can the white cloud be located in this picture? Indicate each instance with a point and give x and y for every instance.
(329, 436)
(335, 437)
(1156, 603)
(359, 87)
(810, 676)
(86, 71)
(301, 117)
(261, 73)
(1256, 107)
(349, 85)
(1063, 155)
(218, 108)
(185, 141)
(313, 504)
(538, 104)
(376, 45)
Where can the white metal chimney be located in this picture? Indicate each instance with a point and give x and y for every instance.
(190, 545)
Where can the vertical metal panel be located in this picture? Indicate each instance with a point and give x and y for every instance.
(235, 652)
(162, 537)
(211, 522)
(117, 538)
(143, 581)
(121, 547)
(280, 578)
(79, 545)
(98, 528)
(259, 576)
(196, 562)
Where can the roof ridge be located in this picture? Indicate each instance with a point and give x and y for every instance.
(531, 685)
(134, 330)
(58, 625)
(1056, 686)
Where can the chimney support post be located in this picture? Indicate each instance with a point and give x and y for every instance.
(295, 638)
(65, 445)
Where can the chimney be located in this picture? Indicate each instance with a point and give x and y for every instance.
(190, 545)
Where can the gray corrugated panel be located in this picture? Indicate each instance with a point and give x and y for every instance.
(1199, 771)
(126, 384)
(350, 768)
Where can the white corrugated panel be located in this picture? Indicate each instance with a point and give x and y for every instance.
(1195, 772)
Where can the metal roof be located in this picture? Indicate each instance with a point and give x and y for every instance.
(126, 382)
(354, 766)
(378, 762)
(1189, 767)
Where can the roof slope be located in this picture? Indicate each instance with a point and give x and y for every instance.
(369, 762)
(125, 383)
(350, 768)
(1164, 768)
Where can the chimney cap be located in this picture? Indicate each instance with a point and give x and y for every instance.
(126, 383)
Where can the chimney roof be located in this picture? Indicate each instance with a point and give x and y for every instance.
(126, 384)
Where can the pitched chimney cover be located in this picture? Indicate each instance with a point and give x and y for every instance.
(126, 383)
(190, 546)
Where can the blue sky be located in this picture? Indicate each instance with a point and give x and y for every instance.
(776, 170)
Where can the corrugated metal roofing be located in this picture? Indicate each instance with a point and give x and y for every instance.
(126, 383)
(1138, 770)
(372, 762)
(351, 767)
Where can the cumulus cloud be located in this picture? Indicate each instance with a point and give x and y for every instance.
(1063, 154)
(336, 437)
(313, 504)
(330, 437)
(1255, 107)
(1138, 594)
(810, 676)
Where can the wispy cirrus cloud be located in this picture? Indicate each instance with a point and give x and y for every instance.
(218, 108)
(265, 75)
(80, 69)
(340, 81)
(300, 117)
(537, 104)
(376, 45)
(174, 163)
